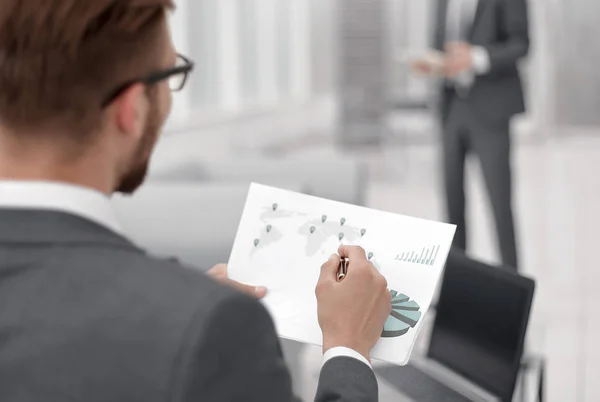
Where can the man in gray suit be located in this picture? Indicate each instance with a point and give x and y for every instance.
(482, 41)
(85, 315)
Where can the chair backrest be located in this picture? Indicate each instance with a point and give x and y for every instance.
(481, 323)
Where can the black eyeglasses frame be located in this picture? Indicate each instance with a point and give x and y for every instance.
(155, 78)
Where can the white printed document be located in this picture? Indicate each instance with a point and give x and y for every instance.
(285, 237)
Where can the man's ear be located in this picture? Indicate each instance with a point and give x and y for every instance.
(131, 109)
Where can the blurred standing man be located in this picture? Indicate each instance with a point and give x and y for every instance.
(85, 315)
(482, 41)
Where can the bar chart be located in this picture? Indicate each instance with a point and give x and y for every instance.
(423, 256)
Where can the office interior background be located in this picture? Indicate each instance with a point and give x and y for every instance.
(264, 104)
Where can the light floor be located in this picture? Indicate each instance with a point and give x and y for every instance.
(557, 204)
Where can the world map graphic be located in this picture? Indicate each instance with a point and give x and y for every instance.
(316, 230)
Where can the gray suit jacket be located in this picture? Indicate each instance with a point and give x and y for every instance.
(87, 316)
(502, 28)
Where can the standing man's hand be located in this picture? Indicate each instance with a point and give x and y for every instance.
(459, 58)
(422, 67)
(219, 273)
(352, 312)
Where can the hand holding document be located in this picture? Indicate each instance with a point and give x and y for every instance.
(431, 63)
(284, 239)
(219, 273)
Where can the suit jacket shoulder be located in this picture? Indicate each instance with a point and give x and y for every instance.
(88, 316)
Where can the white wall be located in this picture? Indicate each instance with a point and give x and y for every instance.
(264, 75)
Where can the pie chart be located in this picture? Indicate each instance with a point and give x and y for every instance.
(404, 316)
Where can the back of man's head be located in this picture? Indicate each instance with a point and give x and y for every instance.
(59, 58)
(62, 60)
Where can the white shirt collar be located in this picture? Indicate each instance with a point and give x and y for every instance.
(84, 202)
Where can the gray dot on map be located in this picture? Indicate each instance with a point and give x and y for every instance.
(312, 229)
(370, 255)
(341, 236)
(342, 221)
(269, 227)
(256, 241)
(362, 232)
(275, 207)
(323, 218)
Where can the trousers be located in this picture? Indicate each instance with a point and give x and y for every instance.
(465, 133)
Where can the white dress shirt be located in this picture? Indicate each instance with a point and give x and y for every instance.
(459, 21)
(92, 205)
(81, 201)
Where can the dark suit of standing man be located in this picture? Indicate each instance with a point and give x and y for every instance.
(483, 41)
(85, 315)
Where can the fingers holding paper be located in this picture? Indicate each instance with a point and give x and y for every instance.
(459, 58)
(429, 64)
(352, 312)
(219, 273)
(422, 67)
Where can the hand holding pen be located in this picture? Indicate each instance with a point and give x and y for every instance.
(342, 269)
(353, 301)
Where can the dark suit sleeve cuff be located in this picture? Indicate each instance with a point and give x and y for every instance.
(346, 379)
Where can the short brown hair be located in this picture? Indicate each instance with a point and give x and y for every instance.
(59, 58)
